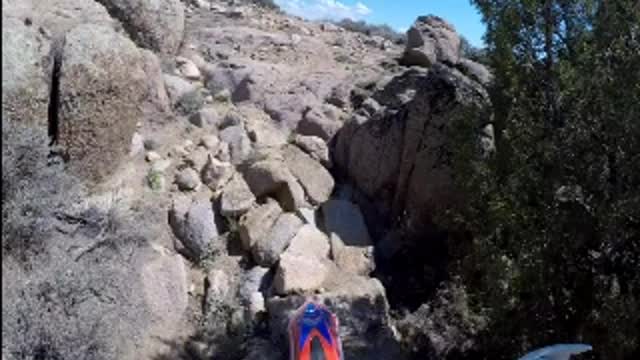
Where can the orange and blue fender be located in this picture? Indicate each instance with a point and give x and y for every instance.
(313, 334)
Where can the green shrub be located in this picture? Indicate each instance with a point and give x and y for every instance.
(34, 189)
(155, 180)
(383, 30)
(190, 103)
(267, 4)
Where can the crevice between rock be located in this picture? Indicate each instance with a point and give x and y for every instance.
(54, 101)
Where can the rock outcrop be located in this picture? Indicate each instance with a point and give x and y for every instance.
(401, 154)
(100, 92)
(27, 68)
(430, 40)
(157, 25)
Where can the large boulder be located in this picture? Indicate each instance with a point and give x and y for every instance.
(299, 273)
(314, 147)
(431, 39)
(177, 87)
(239, 143)
(156, 25)
(26, 72)
(257, 222)
(314, 178)
(100, 90)
(351, 244)
(305, 265)
(272, 177)
(193, 223)
(57, 17)
(320, 121)
(267, 249)
(261, 129)
(402, 157)
(236, 197)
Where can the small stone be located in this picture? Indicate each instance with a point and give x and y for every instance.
(371, 106)
(218, 286)
(207, 116)
(179, 151)
(256, 304)
(198, 158)
(224, 154)
(188, 69)
(151, 144)
(187, 179)
(152, 156)
(161, 165)
(231, 118)
(216, 174)
(137, 144)
(309, 215)
(210, 142)
(257, 279)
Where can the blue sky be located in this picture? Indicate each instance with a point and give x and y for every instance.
(399, 14)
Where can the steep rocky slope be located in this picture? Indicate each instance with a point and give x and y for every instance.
(258, 158)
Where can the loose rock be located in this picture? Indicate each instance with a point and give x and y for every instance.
(255, 224)
(315, 179)
(267, 249)
(239, 143)
(215, 173)
(187, 179)
(207, 116)
(194, 225)
(211, 143)
(299, 273)
(315, 147)
(236, 198)
(351, 245)
(187, 68)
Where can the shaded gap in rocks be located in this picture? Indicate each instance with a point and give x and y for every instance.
(54, 101)
(413, 272)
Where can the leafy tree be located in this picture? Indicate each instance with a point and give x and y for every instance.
(555, 215)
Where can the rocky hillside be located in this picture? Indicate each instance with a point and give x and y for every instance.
(226, 161)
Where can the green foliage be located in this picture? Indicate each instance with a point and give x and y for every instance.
(190, 103)
(363, 27)
(267, 4)
(554, 217)
(471, 52)
(155, 180)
